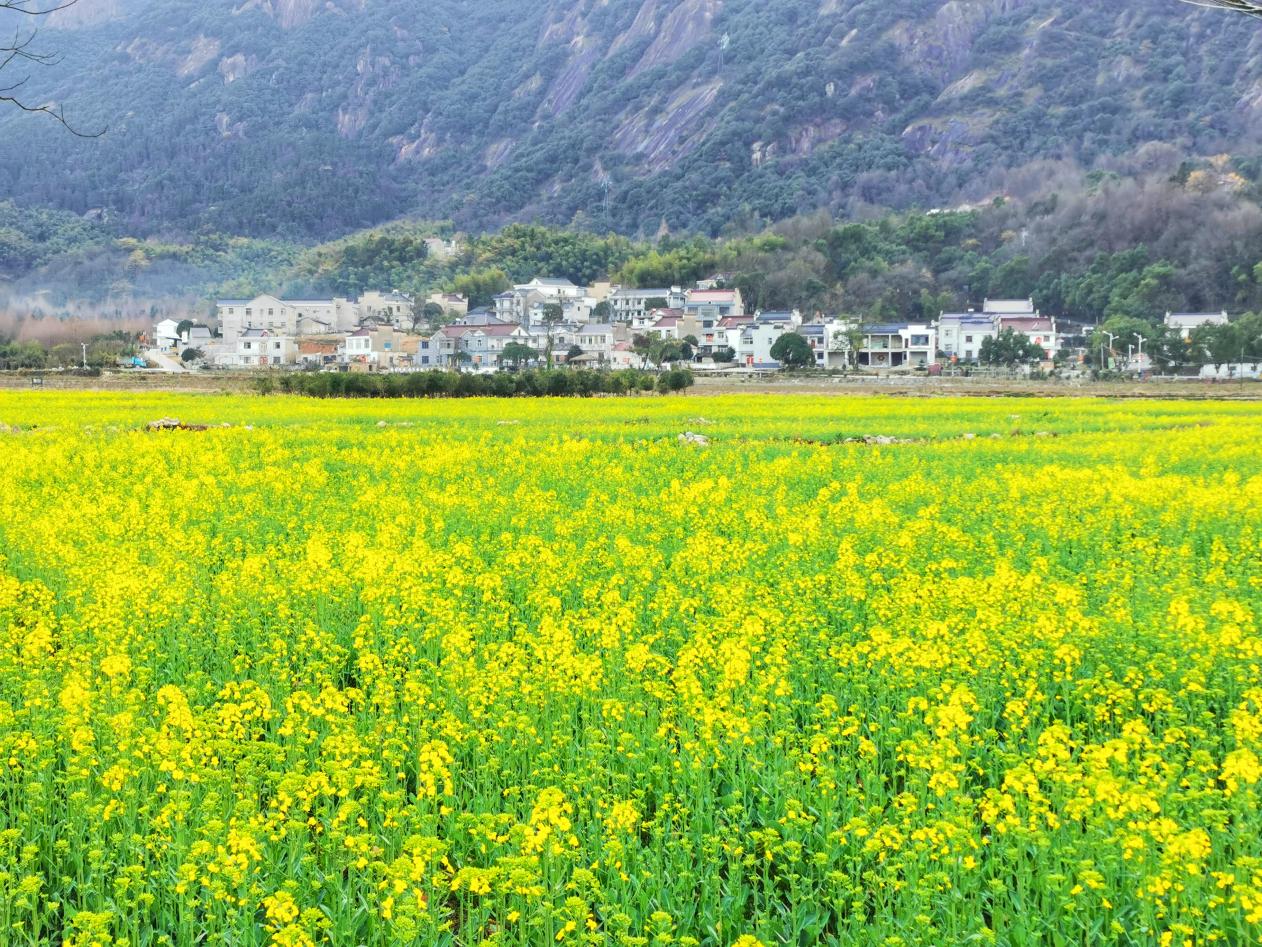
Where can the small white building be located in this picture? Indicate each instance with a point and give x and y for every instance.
(754, 344)
(166, 335)
(1185, 323)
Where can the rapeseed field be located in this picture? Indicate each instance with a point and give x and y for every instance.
(535, 673)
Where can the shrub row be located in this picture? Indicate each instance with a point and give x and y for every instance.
(542, 383)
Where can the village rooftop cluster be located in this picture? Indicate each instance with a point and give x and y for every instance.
(551, 321)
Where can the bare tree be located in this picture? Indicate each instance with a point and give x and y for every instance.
(21, 51)
(1247, 7)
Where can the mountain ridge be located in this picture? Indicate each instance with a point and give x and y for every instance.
(310, 118)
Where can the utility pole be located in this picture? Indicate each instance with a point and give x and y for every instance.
(1141, 341)
(85, 355)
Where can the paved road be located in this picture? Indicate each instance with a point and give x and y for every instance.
(166, 362)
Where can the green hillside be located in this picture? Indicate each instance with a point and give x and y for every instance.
(305, 120)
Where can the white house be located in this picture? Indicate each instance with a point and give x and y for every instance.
(599, 340)
(829, 342)
(258, 348)
(630, 304)
(899, 345)
(289, 317)
(754, 344)
(166, 334)
(961, 334)
(1185, 323)
(480, 347)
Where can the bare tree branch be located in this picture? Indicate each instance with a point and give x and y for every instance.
(31, 9)
(1247, 7)
(20, 50)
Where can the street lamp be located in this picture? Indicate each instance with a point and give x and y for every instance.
(1112, 338)
(1141, 340)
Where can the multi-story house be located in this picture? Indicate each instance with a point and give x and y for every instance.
(898, 345)
(600, 339)
(628, 304)
(716, 303)
(754, 343)
(676, 326)
(258, 348)
(829, 341)
(961, 334)
(1021, 317)
(377, 348)
(393, 308)
(289, 317)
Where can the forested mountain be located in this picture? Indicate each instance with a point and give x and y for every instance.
(307, 119)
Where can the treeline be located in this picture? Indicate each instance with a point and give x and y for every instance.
(541, 383)
(1186, 237)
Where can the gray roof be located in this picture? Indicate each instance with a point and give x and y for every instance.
(647, 293)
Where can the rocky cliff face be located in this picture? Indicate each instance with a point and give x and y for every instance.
(623, 111)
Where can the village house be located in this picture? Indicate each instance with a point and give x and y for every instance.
(898, 345)
(754, 344)
(678, 327)
(1185, 323)
(829, 343)
(287, 317)
(394, 308)
(453, 304)
(319, 351)
(479, 347)
(563, 336)
(440, 249)
(481, 317)
(196, 337)
(377, 348)
(790, 320)
(1021, 317)
(714, 303)
(646, 321)
(597, 340)
(166, 335)
(628, 305)
(258, 348)
(961, 334)
(517, 304)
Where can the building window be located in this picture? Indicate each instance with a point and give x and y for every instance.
(968, 338)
